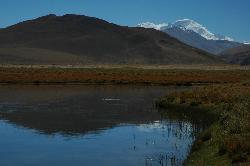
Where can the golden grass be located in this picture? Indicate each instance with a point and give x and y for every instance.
(121, 75)
(227, 141)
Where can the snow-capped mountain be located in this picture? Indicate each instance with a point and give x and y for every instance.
(187, 24)
(194, 34)
(152, 25)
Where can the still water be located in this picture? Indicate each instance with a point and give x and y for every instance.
(92, 126)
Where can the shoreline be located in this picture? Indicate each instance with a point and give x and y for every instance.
(226, 141)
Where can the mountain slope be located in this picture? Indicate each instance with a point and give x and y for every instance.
(194, 39)
(239, 55)
(196, 35)
(75, 39)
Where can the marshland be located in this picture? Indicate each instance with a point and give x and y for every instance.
(151, 116)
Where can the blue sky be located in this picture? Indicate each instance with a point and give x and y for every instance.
(228, 17)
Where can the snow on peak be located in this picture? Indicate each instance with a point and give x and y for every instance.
(194, 26)
(152, 25)
(187, 24)
(198, 28)
(221, 37)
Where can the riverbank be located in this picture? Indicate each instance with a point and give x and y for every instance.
(227, 140)
(146, 75)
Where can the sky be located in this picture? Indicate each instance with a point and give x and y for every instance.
(227, 17)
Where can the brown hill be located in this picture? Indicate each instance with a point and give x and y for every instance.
(238, 55)
(76, 39)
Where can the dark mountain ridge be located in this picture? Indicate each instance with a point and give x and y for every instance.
(77, 39)
(239, 55)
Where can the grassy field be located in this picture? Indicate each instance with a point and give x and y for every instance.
(163, 75)
(227, 141)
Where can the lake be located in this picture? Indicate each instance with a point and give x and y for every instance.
(92, 125)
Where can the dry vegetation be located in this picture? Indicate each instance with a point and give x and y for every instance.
(210, 95)
(168, 75)
(227, 141)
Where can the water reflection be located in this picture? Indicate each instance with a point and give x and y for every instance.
(91, 125)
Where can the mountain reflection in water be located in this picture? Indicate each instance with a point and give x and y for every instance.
(92, 125)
